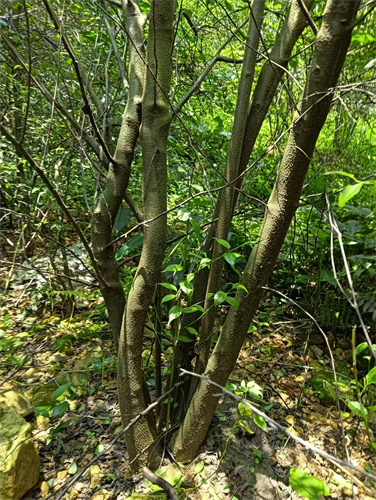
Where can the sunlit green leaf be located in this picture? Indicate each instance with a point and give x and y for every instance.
(174, 313)
(260, 421)
(349, 192)
(199, 467)
(168, 297)
(219, 298)
(224, 243)
(244, 410)
(370, 378)
(73, 468)
(169, 286)
(59, 391)
(307, 486)
(232, 301)
(173, 268)
(358, 409)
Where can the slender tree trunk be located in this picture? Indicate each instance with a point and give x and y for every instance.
(226, 196)
(156, 119)
(118, 174)
(330, 52)
(267, 83)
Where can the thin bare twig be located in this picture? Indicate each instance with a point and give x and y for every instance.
(277, 426)
(79, 474)
(353, 303)
(307, 15)
(33, 164)
(87, 108)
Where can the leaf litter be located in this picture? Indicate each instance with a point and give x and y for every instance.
(42, 352)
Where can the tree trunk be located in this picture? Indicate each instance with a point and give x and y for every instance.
(156, 118)
(118, 175)
(332, 43)
(225, 200)
(267, 83)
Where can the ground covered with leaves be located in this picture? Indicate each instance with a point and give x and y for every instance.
(66, 367)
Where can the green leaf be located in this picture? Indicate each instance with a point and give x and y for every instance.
(60, 409)
(131, 245)
(169, 286)
(73, 468)
(99, 449)
(144, 6)
(232, 301)
(244, 410)
(190, 309)
(183, 338)
(370, 64)
(199, 467)
(239, 286)
(254, 389)
(307, 486)
(204, 262)
(338, 172)
(199, 308)
(59, 391)
(168, 297)
(183, 214)
(246, 427)
(224, 243)
(124, 216)
(260, 421)
(231, 257)
(370, 378)
(187, 288)
(219, 298)
(196, 227)
(190, 277)
(192, 330)
(349, 192)
(42, 410)
(174, 313)
(358, 409)
(361, 347)
(371, 411)
(173, 268)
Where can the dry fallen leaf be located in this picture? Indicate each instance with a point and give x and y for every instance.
(61, 475)
(95, 475)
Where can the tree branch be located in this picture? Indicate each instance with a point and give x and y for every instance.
(134, 207)
(307, 15)
(22, 152)
(277, 426)
(87, 108)
(162, 483)
(50, 98)
(217, 57)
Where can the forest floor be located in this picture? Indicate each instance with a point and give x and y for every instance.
(41, 351)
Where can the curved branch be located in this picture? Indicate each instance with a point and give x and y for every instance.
(162, 483)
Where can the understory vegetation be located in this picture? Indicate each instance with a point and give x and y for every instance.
(188, 248)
